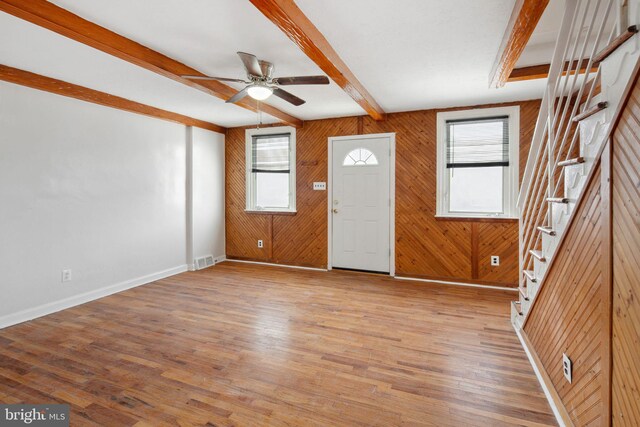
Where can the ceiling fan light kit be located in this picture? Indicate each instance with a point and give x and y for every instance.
(261, 84)
(259, 92)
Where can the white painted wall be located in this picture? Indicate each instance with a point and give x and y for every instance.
(208, 193)
(92, 189)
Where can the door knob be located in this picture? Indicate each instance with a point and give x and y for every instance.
(335, 211)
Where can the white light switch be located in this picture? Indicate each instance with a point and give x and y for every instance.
(320, 186)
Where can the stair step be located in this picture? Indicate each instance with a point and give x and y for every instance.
(517, 306)
(557, 200)
(570, 162)
(547, 230)
(615, 43)
(524, 293)
(538, 255)
(530, 275)
(591, 111)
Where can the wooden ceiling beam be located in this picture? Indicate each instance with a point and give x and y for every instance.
(59, 87)
(524, 18)
(294, 23)
(61, 21)
(542, 71)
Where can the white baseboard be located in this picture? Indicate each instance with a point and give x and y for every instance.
(219, 258)
(52, 307)
(470, 285)
(276, 265)
(559, 411)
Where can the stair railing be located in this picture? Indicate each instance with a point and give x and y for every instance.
(588, 27)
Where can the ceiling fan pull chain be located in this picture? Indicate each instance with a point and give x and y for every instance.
(259, 115)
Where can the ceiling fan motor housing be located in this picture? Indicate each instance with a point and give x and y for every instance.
(267, 69)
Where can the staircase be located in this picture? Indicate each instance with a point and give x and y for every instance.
(577, 114)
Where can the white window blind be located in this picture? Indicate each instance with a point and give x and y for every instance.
(270, 153)
(472, 143)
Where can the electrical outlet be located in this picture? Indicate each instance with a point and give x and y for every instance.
(567, 367)
(260, 244)
(66, 276)
(319, 185)
(495, 260)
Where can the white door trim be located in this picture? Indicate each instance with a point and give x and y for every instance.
(392, 195)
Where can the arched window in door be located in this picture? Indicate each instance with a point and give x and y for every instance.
(360, 157)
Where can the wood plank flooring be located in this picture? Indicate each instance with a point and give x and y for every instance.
(249, 345)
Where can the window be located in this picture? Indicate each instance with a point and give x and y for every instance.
(270, 160)
(478, 152)
(360, 157)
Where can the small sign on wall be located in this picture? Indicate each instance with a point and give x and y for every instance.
(320, 186)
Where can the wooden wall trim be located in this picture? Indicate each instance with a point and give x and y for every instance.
(47, 15)
(59, 87)
(454, 280)
(477, 220)
(541, 71)
(287, 16)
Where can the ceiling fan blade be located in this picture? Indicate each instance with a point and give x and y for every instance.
(222, 79)
(238, 96)
(289, 97)
(251, 64)
(302, 80)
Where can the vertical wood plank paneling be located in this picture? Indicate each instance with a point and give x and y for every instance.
(625, 198)
(425, 246)
(569, 314)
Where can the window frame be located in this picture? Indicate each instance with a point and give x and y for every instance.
(510, 175)
(250, 178)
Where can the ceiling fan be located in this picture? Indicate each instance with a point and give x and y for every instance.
(261, 84)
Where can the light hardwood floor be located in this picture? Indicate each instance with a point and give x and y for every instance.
(250, 345)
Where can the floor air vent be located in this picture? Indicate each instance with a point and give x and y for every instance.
(204, 262)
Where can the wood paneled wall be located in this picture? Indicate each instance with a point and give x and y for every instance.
(425, 246)
(625, 201)
(588, 305)
(569, 315)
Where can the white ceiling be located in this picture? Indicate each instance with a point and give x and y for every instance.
(416, 54)
(410, 55)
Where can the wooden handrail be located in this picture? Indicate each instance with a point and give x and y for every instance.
(591, 111)
(615, 44)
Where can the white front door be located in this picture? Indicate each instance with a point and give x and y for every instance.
(360, 203)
